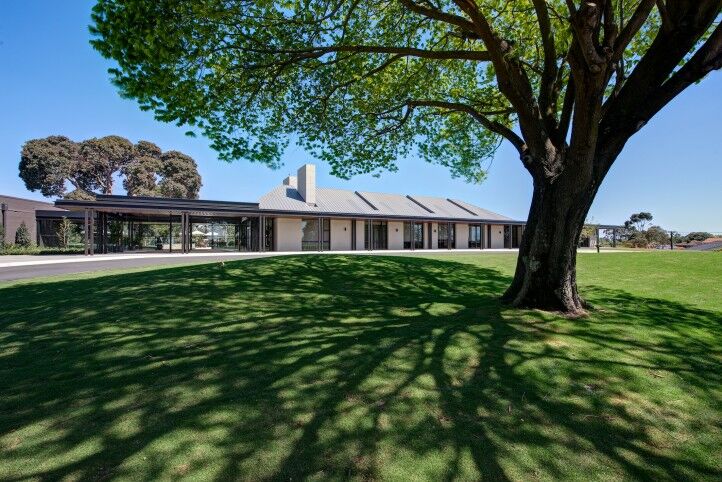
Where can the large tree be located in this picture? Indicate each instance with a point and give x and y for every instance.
(361, 83)
(53, 163)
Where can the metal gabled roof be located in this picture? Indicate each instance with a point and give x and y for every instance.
(287, 198)
(360, 203)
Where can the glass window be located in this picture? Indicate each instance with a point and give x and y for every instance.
(408, 231)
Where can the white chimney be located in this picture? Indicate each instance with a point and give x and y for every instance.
(291, 181)
(307, 183)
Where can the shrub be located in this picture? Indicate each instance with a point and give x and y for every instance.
(2, 237)
(10, 249)
(696, 236)
(22, 236)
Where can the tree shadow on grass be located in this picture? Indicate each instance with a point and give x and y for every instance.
(349, 367)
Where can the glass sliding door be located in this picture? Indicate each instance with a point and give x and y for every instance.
(315, 234)
(418, 229)
(375, 235)
(248, 234)
(325, 234)
(268, 234)
(309, 234)
(147, 235)
(215, 235)
(446, 235)
(516, 232)
(475, 236)
(413, 235)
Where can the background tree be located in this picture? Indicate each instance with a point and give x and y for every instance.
(638, 221)
(178, 176)
(22, 236)
(168, 174)
(657, 236)
(140, 174)
(47, 164)
(50, 164)
(103, 158)
(361, 83)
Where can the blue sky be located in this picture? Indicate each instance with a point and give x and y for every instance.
(53, 82)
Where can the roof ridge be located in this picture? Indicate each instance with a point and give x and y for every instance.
(479, 207)
(410, 198)
(366, 200)
(458, 205)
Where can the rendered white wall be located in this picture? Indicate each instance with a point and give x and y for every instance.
(287, 234)
(462, 236)
(434, 236)
(396, 234)
(360, 235)
(340, 234)
(497, 236)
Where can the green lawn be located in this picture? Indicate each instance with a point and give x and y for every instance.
(334, 367)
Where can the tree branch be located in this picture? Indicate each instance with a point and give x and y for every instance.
(706, 59)
(320, 51)
(636, 21)
(511, 78)
(493, 126)
(546, 88)
(441, 16)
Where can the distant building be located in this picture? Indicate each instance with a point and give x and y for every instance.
(35, 214)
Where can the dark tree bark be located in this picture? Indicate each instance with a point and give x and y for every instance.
(545, 274)
(567, 177)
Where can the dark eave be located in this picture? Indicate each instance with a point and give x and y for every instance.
(56, 214)
(157, 204)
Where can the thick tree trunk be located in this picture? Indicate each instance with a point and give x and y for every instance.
(545, 276)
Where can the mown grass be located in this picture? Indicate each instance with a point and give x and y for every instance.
(336, 367)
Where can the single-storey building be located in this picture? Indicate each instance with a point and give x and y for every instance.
(296, 215)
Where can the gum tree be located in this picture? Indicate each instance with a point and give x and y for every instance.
(361, 83)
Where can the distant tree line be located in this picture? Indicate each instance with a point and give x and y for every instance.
(52, 164)
(639, 232)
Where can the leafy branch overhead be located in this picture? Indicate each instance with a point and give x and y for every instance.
(363, 83)
(51, 164)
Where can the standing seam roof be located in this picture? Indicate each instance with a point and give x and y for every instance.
(287, 198)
